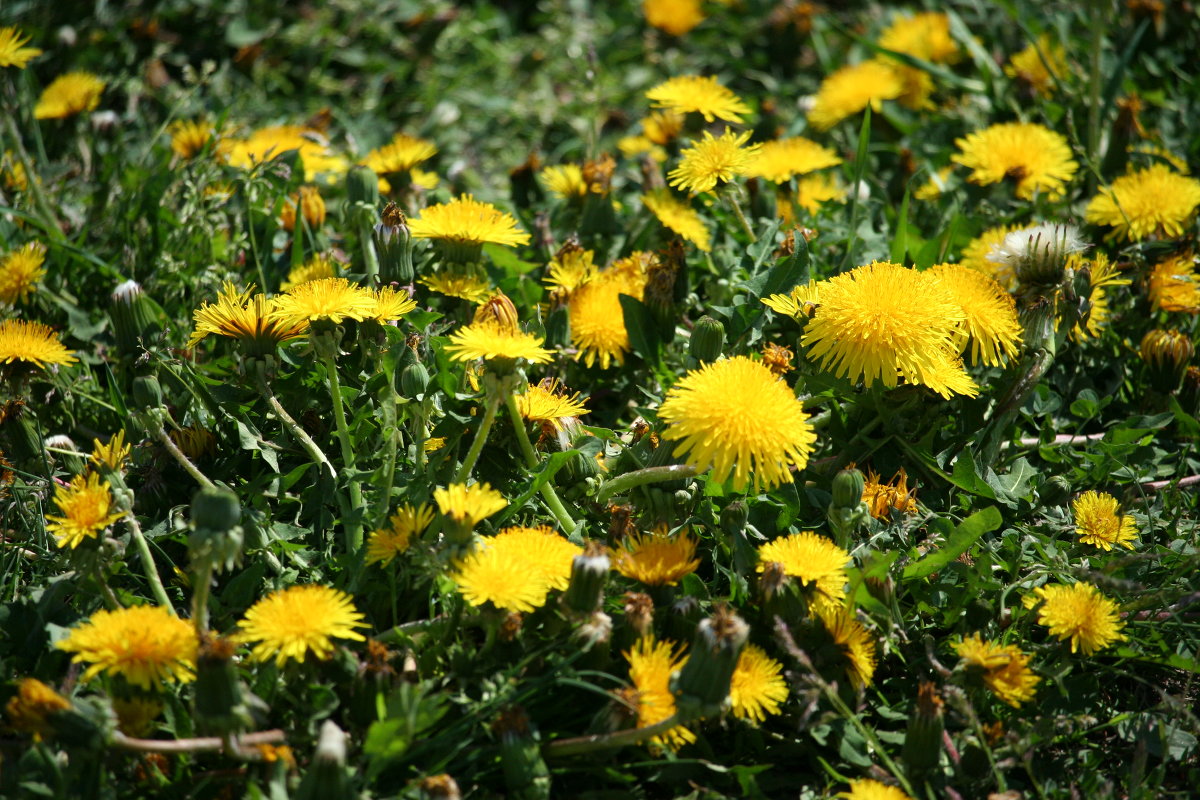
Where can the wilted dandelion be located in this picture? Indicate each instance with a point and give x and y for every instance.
(311, 205)
(884, 498)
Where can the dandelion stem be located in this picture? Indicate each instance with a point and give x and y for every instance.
(200, 590)
(354, 531)
(156, 586)
(49, 221)
(491, 405)
(192, 745)
(185, 462)
(531, 460)
(419, 434)
(393, 439)
(607, 741)
(736, 207)
(311, 447)
(370, 259)
(631, 480)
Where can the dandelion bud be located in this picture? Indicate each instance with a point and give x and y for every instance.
(589, 573)
(362, 186)
(639, 612)
(708, 337)
(1189, 393)
(1055, 492)
(923, 740)
(132, 317)
(848, 488)
(525, 772)
(63, 447)
(216, 540)
(1167, 354)
(218, 702)
(1038, 254)
(326, 776)
(414, 380)
(439, 787)
(734, 517)
(498, 309)
(394, 245)
(147, 393)
(703, 683)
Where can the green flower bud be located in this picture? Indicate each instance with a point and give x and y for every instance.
(217, 539)
(589, 573)
(703, 683)
(708, 337)
(1055, 491)
(923, 740)
(414, 380)
(216, 508)
(218, 700)
(848, 488)
(132, 317)
(394, 246)
(362, 186)
(525, 772)
(734, 517)
(147, 393)
(326, 777)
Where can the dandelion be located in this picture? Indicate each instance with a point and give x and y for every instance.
(189, 137)
(331, 299)
(991, 322)
(253, 321)
(566, 181)
(657, 559)
(1036, 158)
(1102, 274)
(693, 93)
(924, 35)
(13, 52)
(737, 417)
(466, 220)
(501, 577)
(814, 191)
(676, 17)
(818, 563)
(541, 552)
(711, 161)
(113, 455)
(390, 305)
(319, 266)
(385, 544)
(663, 127)
(651, 665)
(852, 641)
(851, 89)
(597, 318)
(1173, 284)
(464, 285)
(884, 498)
(290, 623)
(399, 155)
(1005, 668)
(549, 402)
(1151, 202)
(30, 709)
(195, 441)
(469, 505)
(933, 188)
(69, 94)
(1078, 612)
(631, 146)
(1098, 522)
(31, 342)
(312, 208)
(884, 322)
(13, 172)
(976, 256)
(571, 267)
(868, 789)
(267, 144)
(20, 272)
(678, 216)
(494, 341)
(145, 645)
(1038, 255)
(782, 159)
(757, 687)
(1039, 65)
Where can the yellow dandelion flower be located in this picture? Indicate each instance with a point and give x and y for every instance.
(570, 268)
(566, 181)
(189, 137)
(932, 189)
(917, 86)
(676, 17)
(1151, 202)
(1102, 274)
(390, 304)
(1078, 612)
(1173, 284)
(31, 342)
(782, 159)
(319, 266)
(85, 509)
(465, 219)
(145, 645)
(851, 89)
(688, 93)
(20, 272)
(428, 181)
(491, 340)
(68, 95)
(818, 563)
(501, 577)
(867, 789)
(266, 144)
(13, 52)
(464, 285)
(13, 172)
(677, 215)
(631, 146)
(884, 498)
(195, 441)
(975, 255)
(662, 127)
(1038, 65)
(1005, 668)
(1036, 158)
(657, 559)
(250, 320)
(757, 687)
(991, 321)
(541, 552)
(113, 454)
(597, 319)
(884, 322)
(924, 35)
(852, 640)
(34, 703)
(333, 299)
(434, 443)
(710, 161)
(737, 417)
(469, 504)
(1098, 522)
(401, 154)
(549, 402)
(290, 623)
(386, 543)
(311, 205)
(814, 191)
(651, 665)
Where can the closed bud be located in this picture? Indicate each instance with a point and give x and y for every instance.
(848, 488)
(218, 701)
(216, 508)
(362, 186)
(217, 539)
(703, 683)
(1189, 392)
(734, 517)
(414, 380)
(923, 739)
(498, 310)
(1055, 492)
(1167, 354)
(147, 393)
(394, 246)
(326, 777)
(525, 772)
(132, 317)
(589, 574)
(708, 338)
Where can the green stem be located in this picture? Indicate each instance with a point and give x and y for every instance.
(641, 477)
(370, 259)
(181, 457)
(531, 460)
(389, 472)
(200, 590)
(156, 586)
(490, 407)
(1099, 19)
(49, 221)
(306, 441)
(607, 741)
(354, 531)
(731, 198)
(419, 434)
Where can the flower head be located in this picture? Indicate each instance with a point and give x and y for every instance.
(401, 154)
(976, 256)
(311, 207)
(757, 687)
(677, 215)
(851, 639)
(113, 454)
(991, 321)
(319, 266)
(1174, 285)
(145, 645)
(20, 272)
(1005, 668)
(710, 161)
(541, 552)
(676, 17)
(253, 321)
(464, 285)
(884, 322)
(390, 304)
(465, 219)
(13, 52)
(706, 96)
(1102, 274)
(266, 144)
(1035, 157)
(657, 559)
(516, 569)
(818, 563)
(884, 498)
(782, 159)
(851, 89)
(549, 402)
(1080, 613)
(571, 267)
(291, 622)
(925, 35)
(386, 543)
(34, 702)
(32, 343)
(1038, 65)
(333, 299)
(69, 94)
(188, 137)
(651, 665)
(469, 504)
(565, 181)
(1154, 201)
(492, 340)
(867, 789)
(1098, 522)
(597, 318)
